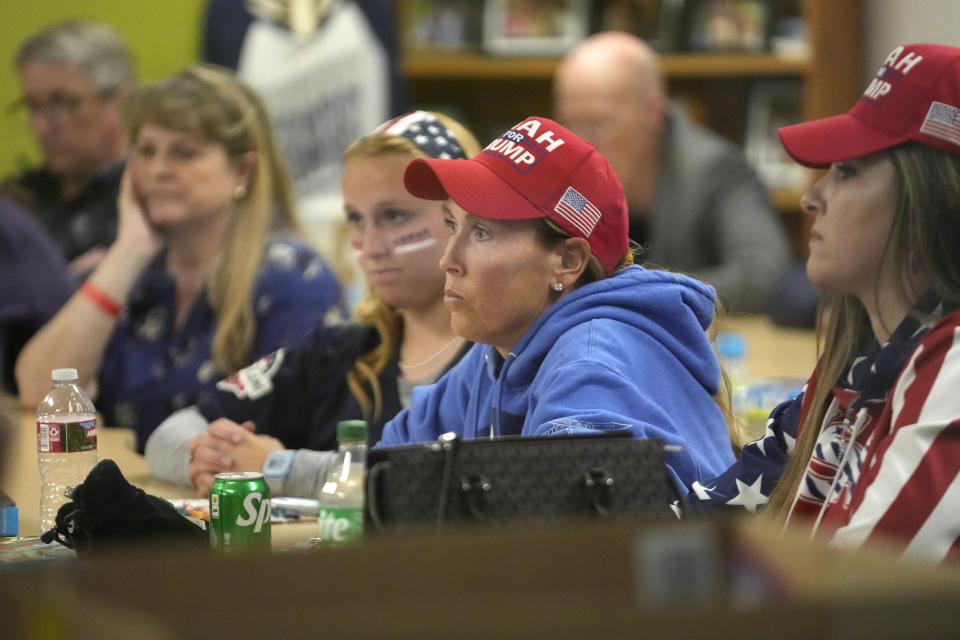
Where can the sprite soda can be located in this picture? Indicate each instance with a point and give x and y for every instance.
(240, 512)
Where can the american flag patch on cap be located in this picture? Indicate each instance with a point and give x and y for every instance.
(578, 211)
(941, 122)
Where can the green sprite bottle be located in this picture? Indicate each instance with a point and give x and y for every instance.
(340, 503)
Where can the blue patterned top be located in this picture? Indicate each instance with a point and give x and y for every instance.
(150, 368)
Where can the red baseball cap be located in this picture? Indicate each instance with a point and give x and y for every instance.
(914, 96)
(536, 169)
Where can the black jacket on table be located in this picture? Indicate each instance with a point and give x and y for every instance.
(298, 395)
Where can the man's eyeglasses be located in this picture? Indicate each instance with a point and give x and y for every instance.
(59, 107)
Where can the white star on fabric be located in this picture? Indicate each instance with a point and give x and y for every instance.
(421, 140)
(445, 156)
(440, 140)
(416, 128)
(701, 491)
(856, 363)
(433, 129)
(749, 496)
(790, 440)
(768, 433)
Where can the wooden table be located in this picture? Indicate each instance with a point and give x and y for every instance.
(22, 479)
(772, 352)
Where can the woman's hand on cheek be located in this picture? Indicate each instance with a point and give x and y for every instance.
(134, 232)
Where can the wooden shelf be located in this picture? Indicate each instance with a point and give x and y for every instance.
(490, 93)
(729, 65)
(460, 66)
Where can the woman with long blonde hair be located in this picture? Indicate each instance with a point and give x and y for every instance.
(208, 270)
(870, 451)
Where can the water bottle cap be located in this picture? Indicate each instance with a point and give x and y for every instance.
(351, 430)
(64, 375)
(732, 345)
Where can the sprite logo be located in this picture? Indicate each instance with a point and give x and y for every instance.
(340, 524)
(251, 514)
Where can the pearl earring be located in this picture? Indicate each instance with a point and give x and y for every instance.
(240, 192)
(558, 286)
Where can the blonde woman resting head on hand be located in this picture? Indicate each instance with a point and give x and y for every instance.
(208, 270)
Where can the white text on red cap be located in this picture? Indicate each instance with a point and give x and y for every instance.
(878, 87)
(511, 145)
(532, 126)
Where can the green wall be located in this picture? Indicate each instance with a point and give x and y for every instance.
(162, 34)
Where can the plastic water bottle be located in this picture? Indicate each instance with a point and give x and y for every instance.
(9, 516)
(340, 503)
(732, 348)
(66, 442)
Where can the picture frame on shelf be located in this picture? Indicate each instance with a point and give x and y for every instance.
(727, 26)
(668, 34)
(773, 104)
(440, 25)
(532, 28)
(658, 22)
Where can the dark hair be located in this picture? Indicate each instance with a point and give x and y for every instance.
(550, 235)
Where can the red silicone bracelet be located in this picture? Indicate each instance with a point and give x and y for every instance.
(100, 298)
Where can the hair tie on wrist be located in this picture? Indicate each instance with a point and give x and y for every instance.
(101, 298)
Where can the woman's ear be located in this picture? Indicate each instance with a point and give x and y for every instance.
(574, 257)
(246, 167)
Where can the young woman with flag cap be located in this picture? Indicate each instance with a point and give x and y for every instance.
(870, 451)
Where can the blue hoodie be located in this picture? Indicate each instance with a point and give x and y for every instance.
(627, 352)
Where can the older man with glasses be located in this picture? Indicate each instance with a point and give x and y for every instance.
(73, 76)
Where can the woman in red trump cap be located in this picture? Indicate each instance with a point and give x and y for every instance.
(570, 337)
(870, 452)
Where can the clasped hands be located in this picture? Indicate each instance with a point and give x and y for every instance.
(227, 446)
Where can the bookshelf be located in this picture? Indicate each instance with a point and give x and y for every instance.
(492, 93)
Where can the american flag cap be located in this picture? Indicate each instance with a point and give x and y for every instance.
(536, 169)
(914, 96)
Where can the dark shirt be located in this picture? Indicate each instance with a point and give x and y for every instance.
(33, 283)
(79, 224)
(298, 395)
(151, 367)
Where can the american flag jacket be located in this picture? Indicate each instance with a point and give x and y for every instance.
(885, 466)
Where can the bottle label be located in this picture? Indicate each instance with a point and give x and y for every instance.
(340, 525)
(66, 437)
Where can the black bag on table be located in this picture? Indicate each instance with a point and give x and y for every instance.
(517, 479)
(105, 510)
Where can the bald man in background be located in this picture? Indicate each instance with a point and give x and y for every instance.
(694, 201)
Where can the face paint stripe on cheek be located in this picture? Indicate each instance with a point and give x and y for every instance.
(415, 241)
